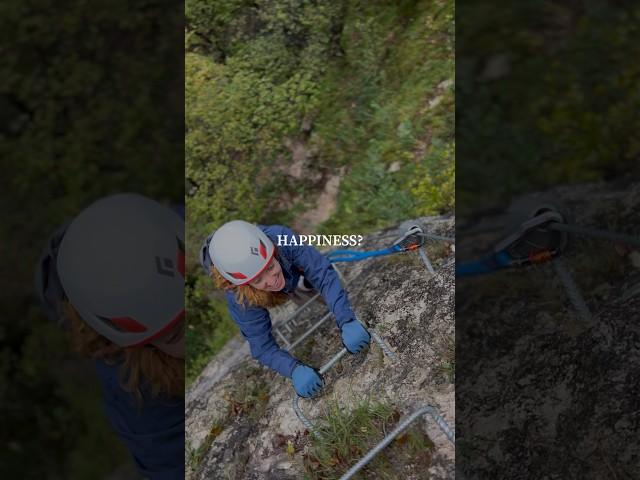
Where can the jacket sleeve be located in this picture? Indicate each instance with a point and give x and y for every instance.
(153, 431)
(321, 274)
(255, 326)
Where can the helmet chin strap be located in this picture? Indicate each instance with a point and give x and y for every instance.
(48, 287)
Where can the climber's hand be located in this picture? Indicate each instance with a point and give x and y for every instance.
(354, 336)
(307, 382)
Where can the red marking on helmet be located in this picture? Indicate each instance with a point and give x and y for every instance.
(257, 274)
(175, 320)
(237, 275)
(128, 324)
(263, 250)
(180, 262)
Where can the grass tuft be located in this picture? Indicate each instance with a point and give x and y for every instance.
(348, 435)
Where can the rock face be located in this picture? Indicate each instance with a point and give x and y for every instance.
(239, 415)
(542, 393)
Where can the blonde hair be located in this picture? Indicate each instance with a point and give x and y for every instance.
(163, 373)
(253, 296)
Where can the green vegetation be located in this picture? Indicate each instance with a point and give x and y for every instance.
(61, 398)
(346, 436)
(84, 113)
(560, 104)
(252, 76)
(209, 327)
(365, 88)
(447, 352)
(246, 401)
(390, 99)
(194, 456)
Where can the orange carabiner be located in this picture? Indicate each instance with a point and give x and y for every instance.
(541, 256)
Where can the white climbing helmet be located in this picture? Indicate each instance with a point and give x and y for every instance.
(240, 251)
(121, 265)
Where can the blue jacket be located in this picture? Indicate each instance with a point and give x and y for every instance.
(255, 323)
(153, 431)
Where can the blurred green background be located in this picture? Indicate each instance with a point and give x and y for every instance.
(546, 94)
(84, 112)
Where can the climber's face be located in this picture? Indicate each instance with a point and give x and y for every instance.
(271, 279)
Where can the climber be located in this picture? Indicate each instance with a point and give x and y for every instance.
(114, 277)
(243, 260)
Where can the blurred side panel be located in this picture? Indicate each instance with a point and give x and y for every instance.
(548, 239)
(91, 104)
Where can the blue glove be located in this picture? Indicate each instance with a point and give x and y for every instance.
(306, 381)
(354, 336)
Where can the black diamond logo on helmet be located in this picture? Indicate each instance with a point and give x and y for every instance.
(254, 251)
(165, 267)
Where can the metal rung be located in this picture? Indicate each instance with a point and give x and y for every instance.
(303, 306)
(314, 298)
(423, 254)
(309, 332)
(296, 406)
(427, 409)
(294, 321)
(284, 339)
(309, 321)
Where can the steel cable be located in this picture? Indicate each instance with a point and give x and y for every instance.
(573, 292)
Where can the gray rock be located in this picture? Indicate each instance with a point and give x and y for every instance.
(396, 297)
(540, 393)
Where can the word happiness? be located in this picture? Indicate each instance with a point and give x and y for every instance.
(319, 240)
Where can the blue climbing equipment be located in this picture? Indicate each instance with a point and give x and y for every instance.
(534, 242)
(413, 239)
(541, 239)
(354, 256)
